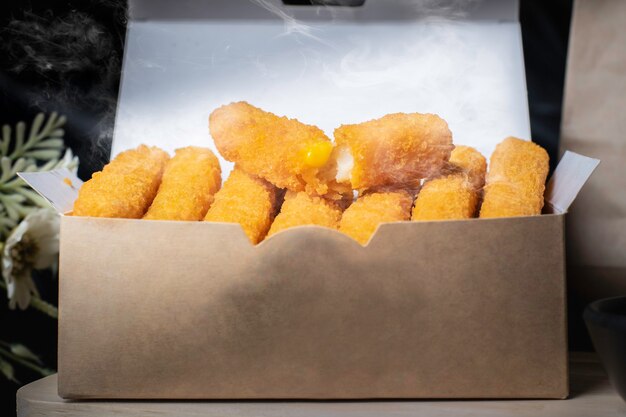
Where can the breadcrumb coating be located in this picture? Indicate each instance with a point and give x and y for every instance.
(516, 180)
(190, 180)
(472, 162)
(446, 198)
(453, 195)
(396, 150)
(361, 219)
(125, 187)
(301, 209)
(283, 151)
(246, 200)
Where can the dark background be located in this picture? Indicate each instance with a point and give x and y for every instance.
(65, 56)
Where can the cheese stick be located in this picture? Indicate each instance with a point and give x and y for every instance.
(301, 209)
(455, 195)
(446, 198)
(285, 152)
(125, 187)
(361, 219)
(472, 162)
(516, 180)
(396, 150)
(190, 180)
(246, 200)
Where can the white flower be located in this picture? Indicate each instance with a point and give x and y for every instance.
(33, 244)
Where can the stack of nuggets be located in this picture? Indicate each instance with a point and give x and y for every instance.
(385, 160)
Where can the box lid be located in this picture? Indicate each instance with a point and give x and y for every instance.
(325, 65)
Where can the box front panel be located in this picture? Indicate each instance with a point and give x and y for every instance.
(468, 309)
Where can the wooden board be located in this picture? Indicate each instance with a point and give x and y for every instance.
(591, 395)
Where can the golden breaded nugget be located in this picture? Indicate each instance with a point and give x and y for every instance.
(246, 200)
(446, 198)
(301, 209)
(190, 180)
(516, 180)
(396, 150)
(454, 195)
(472, 162)
(361, 219)
(125, 187)
(283, 151)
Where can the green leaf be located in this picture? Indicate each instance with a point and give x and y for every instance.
(23, 352)
(57, 133)
(44, 154)
(50, 143)
(12, 205)
(36, 125)
(33, 197)
(6, 139)
(19, 135)
(7, 370)
(42, 141)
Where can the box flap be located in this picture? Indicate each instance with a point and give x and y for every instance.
(323, 65)
(567, 180)
(60, 187)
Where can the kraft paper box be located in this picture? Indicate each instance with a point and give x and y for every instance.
(454, 309)
(450, 309)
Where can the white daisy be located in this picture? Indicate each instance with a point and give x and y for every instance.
(33, 244)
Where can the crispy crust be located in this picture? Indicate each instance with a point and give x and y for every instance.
(472, 162)
(516, 180)
(246, 200)
(190, 180)
(302, 209)
(446, 198)
(272, 147)
(396, 150)
(125, 187)
(361, 219)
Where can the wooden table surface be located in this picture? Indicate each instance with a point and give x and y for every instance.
(590, 396)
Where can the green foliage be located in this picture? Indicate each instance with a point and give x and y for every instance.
(41, 150)
(19, 354)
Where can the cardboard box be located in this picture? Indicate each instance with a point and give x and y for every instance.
(459, 309)
(453, 309)
(449, 309)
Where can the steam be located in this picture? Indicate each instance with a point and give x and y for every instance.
(444, 10)
(437, 40)
(292, 25)
(73, 61)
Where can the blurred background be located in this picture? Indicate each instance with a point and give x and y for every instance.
(65, 56)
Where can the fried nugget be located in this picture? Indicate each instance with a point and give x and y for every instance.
(455, 193)
(396, 150)
(247, 200)
(516, 180)
(472, 162)
(301, 209)
(190, 180)
(125, 187)
(361, 219)
(446, 198)
(283, 151)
